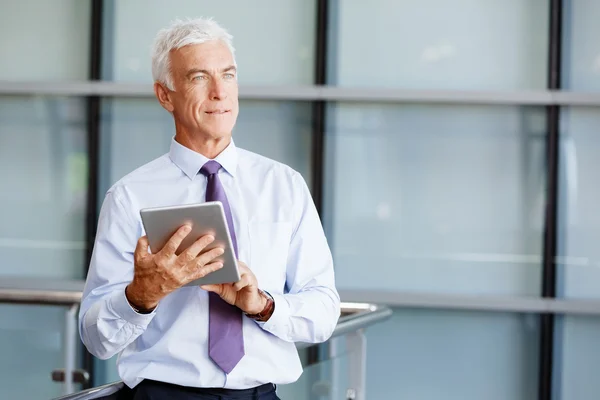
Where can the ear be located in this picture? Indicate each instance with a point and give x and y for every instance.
(163, 96)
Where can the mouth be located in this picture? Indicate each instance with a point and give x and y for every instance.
(217, 112)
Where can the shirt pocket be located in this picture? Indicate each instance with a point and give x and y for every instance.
(269, 244)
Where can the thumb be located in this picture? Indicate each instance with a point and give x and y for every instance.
(212, 288)
(141, 249)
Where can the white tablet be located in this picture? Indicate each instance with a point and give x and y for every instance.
(205, 218)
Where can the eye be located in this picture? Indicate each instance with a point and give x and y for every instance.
(199, 78)
(229, 76)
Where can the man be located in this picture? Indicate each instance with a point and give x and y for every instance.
(231, 340)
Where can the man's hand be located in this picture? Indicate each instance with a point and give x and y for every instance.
(243, 294)
(157, 275)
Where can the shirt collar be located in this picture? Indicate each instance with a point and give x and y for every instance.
(190, 161)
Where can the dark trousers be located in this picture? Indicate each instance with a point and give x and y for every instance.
(153, 390)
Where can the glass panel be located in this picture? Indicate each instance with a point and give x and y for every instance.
(136, 131)
(43, 176)
(105, 371)
(579, 220)
(576, 358)
(263, 57)
(281, 130)
(32, 347)
(44, 40)
(432, 355)
(440, 198)
(325, 380)
(439, 44)
(581, 55)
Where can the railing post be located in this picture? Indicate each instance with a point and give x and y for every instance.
(357, 368)
(70, 347)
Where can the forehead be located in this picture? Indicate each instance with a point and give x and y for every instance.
(210, 55)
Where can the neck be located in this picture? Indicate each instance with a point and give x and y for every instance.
(209, 147)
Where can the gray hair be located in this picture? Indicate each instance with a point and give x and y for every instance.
(179, 34)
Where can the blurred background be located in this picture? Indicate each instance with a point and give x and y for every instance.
(450, 146)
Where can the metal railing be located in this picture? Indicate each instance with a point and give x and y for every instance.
(354, 318)
(49, 292)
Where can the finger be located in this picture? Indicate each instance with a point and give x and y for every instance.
(242, 283)
(206, 269)
(208, 257)
(141, 249)
(175, 241)
(192, 252)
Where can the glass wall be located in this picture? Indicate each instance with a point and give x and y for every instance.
(581, 60)
(456, 193)
(445, 199)
(576, 357)
(135, 131)
(43, 183)
(264, 58)
(578, 251)
(43, 40)
(32, 347)
(453, 355)
(43, 140)
(43, 173)
(580, 224)
(436, 44)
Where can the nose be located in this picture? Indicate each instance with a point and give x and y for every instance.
(217, 91)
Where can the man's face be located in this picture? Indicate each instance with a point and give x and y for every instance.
(205, 100)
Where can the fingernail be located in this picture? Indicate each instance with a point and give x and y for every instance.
(219, 265)
(220, 251)
(187, 228)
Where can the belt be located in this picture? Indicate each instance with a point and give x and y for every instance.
(262, 389)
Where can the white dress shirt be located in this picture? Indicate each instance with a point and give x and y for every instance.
(279, 236)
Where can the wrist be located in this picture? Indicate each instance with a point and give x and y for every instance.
(262, 305)
(267, 308)
(140, 305)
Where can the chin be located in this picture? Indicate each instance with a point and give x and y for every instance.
(218, 133)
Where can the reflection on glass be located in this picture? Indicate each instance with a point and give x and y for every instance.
(436, 198)
(463, 355)
(44, 40)
(274, 40)
(579, 221)
(43, 176)
(439, 44)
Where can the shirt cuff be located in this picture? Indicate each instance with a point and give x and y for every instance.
(280, 318)
(123, 309)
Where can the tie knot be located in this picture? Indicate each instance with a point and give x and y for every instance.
(211, 167)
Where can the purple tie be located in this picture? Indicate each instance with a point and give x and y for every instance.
(225, 336)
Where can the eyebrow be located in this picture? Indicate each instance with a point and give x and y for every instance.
(203, 71)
